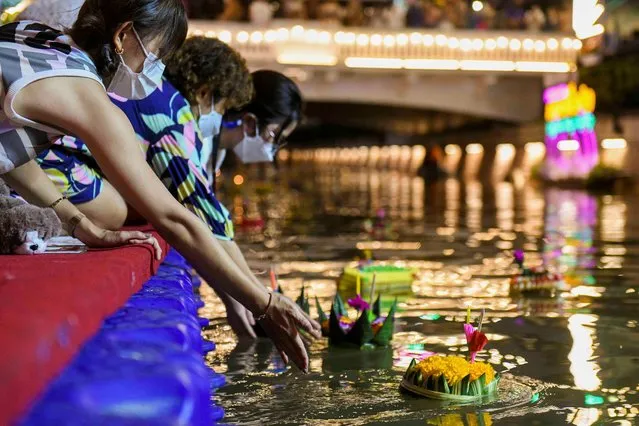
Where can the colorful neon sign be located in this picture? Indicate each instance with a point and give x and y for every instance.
(571, 142)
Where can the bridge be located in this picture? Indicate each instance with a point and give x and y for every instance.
(491, 75)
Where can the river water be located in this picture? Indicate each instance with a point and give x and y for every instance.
(573, 359)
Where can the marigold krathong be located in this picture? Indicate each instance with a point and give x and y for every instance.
(453, 378)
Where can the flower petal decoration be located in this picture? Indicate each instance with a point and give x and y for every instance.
(476, 340)
(358, 303)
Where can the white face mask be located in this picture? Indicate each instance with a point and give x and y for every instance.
(211, 123)
(254, 149)
(131, 85)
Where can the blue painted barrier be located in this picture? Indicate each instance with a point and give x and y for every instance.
(145, 365)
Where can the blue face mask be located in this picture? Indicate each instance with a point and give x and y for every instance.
(221, 152)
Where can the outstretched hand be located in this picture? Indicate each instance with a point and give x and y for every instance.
(282, 322)
(96, 237)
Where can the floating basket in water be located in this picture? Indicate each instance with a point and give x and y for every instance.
(389, 279)
(370, 328)
(451, 378)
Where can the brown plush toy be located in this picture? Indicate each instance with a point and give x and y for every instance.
(25, 228)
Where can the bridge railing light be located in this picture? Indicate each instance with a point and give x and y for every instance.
(615, 143)
(474, 148)
(371, 48)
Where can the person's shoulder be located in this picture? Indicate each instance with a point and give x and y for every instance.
(167, 94)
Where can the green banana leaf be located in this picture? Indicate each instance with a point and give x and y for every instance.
(336, 335)
(377, 307)
(321, 315)
(302, 302)
(361, 333)
(385, 333)
(340, 308)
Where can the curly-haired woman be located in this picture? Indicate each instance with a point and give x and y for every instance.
(176, 126)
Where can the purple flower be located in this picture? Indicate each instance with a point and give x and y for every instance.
(346, 323)
(519, 257)
(358, 303)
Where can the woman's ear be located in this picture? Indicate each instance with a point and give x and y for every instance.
(249, 122)
(203, 96)
(120, 35)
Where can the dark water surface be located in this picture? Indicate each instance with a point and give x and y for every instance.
(570, 360)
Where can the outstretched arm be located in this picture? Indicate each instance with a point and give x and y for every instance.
(32, 183)
(86, 112)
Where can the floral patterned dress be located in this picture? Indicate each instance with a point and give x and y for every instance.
(169, 138)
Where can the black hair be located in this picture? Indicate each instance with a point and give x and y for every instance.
(276, 99)
(99, 19)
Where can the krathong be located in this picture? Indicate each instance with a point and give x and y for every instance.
(535, 281)
(389, 279)
(364, 327)
(454, 378)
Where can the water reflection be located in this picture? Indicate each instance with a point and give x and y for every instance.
(572, 352)
(582, 361)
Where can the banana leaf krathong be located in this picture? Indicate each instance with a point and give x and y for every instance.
(454, 378)
(447, 385)
(369, 328)
(535, 281)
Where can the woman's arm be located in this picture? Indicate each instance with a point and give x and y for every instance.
(86, 111)
(32, 183)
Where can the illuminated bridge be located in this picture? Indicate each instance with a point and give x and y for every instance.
(492, 75)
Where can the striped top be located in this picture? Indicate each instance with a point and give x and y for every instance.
(30, 51)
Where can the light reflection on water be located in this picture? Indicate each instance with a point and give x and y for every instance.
(573, 359)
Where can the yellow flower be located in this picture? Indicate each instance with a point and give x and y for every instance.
(479, 368)
(453, 368)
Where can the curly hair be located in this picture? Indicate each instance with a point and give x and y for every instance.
(211, 63)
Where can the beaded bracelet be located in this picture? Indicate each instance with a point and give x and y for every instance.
(268, 305)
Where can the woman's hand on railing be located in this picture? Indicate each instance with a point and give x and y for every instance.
(96, 237)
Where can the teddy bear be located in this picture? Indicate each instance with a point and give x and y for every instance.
(25, 228)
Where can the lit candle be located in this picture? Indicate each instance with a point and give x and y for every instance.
(359, 285)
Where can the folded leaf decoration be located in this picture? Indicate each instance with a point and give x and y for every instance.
(366, 329)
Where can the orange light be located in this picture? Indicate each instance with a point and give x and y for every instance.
(238, 180)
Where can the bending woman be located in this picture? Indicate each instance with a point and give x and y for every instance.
(204, 78)
(54, 84)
